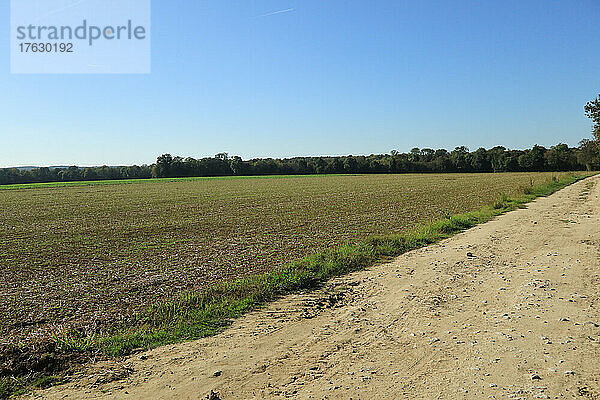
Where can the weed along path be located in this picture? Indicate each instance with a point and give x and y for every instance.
(507, 309)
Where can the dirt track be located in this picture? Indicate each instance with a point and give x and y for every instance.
(509, 309)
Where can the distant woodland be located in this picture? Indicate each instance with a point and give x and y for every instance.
(498, 159)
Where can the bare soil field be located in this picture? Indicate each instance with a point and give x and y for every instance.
(88, 257)
(507, 309)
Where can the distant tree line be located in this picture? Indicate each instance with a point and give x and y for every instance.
(498, 159)
(70, 174)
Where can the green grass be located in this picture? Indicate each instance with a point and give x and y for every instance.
(17, 386)
(21, 186)
(12, 387)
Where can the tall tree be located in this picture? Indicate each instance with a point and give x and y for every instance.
(592, 111)
(589, 154)
(163, 167)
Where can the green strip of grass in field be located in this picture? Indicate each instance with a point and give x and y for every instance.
(196, 315)
(20, 186)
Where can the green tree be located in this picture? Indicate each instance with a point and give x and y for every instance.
(427, 154)
(415, 154)
(533, 160)
(592, 111)
(163, 166)
(237, 165)
(560, 158)
(497, 157)
(350, 165)
(480, 161)
(589, 154)
(460, 158)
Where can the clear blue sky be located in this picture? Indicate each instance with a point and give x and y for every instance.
(327, 77)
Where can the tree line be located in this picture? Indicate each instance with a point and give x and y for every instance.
(71, 174)
(498, 159)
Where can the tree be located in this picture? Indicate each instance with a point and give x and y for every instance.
(441, 161)
(592, 111)
(497, 157)
(511, 162)
(237, 165)
(533, 160)
(460, 159)
(177, 168)
(427, 154)
(560, 158)
(163, 166)
(589, 150)
(480, 161)
(350, 165)
(90, 174)
(415, 154)
(589, 154)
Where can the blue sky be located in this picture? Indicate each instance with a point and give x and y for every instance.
(322, 78)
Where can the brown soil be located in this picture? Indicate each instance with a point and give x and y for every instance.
(508, 309)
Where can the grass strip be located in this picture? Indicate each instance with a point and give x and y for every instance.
(205, 313)
(21, 186)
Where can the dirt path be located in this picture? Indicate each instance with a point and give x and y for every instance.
(509, 309)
